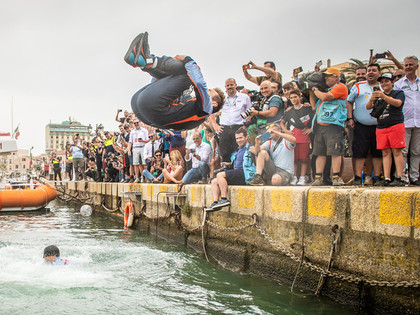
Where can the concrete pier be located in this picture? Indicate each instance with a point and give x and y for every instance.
(374, 261)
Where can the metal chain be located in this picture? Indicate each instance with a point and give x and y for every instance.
(348, 278)
(233, 229)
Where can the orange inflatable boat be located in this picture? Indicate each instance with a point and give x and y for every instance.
(26, 199)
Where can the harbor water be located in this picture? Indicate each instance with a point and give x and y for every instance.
(113, 271)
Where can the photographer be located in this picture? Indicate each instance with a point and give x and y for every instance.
(200, 156)
(275, 158)
(269, 70)
(271, 106)
(230, 118)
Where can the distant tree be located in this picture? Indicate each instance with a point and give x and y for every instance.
(350, 71)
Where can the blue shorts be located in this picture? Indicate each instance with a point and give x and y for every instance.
(235, 177)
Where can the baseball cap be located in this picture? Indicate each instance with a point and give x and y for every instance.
(387, 76)
(333, 71)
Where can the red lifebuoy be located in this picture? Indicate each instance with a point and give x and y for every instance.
(128, 215)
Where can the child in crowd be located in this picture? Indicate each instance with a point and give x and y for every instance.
(297, 122)
(52, 256)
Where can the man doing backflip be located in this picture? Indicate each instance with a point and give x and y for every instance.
(163, 103)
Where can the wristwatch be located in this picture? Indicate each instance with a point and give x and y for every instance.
(314, 88)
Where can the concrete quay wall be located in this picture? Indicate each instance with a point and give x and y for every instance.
(379, 229)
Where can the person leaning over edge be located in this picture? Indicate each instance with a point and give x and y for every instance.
(242, 170)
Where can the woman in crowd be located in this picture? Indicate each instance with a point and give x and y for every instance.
(174, 168)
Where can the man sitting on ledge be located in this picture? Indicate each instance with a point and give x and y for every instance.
(242, 171)
(275, 158)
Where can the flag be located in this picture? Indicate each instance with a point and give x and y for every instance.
(30, 162)
(16, 133)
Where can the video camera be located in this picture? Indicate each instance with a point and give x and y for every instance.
(310, 79)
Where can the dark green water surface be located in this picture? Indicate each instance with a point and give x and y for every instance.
(125, 272)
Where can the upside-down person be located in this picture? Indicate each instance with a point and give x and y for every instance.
(163, 103)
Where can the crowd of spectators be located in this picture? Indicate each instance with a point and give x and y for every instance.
(274, 134)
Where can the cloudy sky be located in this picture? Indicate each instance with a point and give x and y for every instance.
(61, 59)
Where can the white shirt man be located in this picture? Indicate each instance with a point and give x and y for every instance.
(200, 155)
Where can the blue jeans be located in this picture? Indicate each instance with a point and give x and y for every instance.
(150, 176)
(195, 174)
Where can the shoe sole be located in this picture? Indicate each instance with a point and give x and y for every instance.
(216, 208)
(140, 52)
(135, 42)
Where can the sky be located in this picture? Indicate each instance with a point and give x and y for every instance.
(61, 59)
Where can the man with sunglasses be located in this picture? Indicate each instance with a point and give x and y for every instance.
(150, 148)
(200, 154)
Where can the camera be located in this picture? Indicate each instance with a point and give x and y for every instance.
(255, 96)
(380, 56)
(246, 113)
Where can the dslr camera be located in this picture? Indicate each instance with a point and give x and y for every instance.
(245, 114)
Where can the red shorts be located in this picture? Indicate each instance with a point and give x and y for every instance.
(391, 137)
(302, 152)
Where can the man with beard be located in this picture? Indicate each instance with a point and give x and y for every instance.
(364, 125)
(230, 118)
(361, 74)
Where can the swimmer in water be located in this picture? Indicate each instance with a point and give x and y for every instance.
(52, 256)
(163, 103)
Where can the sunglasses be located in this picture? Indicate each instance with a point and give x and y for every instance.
(150, 137)
(136, 123)
(398, 76)
(196, 138)
(158, 154)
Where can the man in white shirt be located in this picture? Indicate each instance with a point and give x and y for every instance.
(230, 118)
(138, 138)
(200, 154)
(150, 148)
(410, 84)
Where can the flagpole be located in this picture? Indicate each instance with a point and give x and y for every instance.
(13, 130)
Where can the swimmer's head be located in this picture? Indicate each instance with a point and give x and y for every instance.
(51, 253)
(217, 99)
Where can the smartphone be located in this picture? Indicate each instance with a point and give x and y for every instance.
(265, 136)
(380, 56)
(192, 150)
(376, 88)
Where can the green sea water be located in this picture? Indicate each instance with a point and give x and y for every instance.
(113, 271)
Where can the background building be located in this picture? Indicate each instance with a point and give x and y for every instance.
(58, 135)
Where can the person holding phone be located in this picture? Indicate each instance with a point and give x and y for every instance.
(200, 154)
(275, 158)
(390, 133)
(138, 138)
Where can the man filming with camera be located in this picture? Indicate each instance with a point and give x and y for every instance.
(271, 106)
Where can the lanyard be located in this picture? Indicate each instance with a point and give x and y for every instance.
(409, 86)
(234, 101)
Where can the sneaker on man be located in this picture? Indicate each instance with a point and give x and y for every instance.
(357, 181)
(256, 181)
(301, 181)
(213, 207)
(337, 181)
(223, 203)
(143, 56)
(397, 182)
(130, 55)
(294, 181)
(378, 181)
(350, 182)
(308, 179)
(317, 181)
(368, 181)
